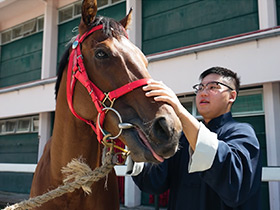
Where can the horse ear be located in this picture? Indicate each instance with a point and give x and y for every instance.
(127, 20)
(89, 10)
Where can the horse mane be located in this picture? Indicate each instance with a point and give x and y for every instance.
(63, 62)
(111, 28)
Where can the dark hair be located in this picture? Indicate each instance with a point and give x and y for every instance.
(224, 72)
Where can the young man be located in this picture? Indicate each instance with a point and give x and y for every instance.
(218, 163)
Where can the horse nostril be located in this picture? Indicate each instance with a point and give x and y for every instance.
(161, 129)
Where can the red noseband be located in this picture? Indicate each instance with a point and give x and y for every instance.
(76, 71)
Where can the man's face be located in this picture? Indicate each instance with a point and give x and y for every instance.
(214, 99)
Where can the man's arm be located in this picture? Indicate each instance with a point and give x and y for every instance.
(153, 178)
(236, 171)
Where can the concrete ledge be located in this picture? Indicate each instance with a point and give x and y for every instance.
(28, 85)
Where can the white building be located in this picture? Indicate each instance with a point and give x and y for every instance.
(181, 38)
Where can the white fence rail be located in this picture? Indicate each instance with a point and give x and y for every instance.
(271, 174)
(30, 168)
(268, 173)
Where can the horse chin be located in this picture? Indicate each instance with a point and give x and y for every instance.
(143, 149)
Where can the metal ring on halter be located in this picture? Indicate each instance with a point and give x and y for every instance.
(120, 119)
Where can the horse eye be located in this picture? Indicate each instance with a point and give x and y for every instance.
(100, 54)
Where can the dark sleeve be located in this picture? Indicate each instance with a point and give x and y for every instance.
(153, 178)
(236, 171)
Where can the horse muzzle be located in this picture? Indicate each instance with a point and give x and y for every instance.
(151, 142)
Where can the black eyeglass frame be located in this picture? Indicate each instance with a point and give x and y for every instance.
(196, 90)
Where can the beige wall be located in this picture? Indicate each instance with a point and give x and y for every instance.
(14, 12)
(255, 61)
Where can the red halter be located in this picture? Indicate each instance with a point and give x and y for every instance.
(77, 71)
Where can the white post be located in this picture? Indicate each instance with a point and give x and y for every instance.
(132, 194)
(267, 13)
(44, 131)
(49, 55)
(49, 58)
(272, 121)
(135, 29)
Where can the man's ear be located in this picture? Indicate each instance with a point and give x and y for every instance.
(232, 97)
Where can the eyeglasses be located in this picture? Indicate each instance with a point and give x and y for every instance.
(212, 87)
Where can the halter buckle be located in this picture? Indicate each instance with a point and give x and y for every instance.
(110, 100)
(91, 91)
(80, 56)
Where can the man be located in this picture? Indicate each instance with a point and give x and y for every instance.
(217, 166)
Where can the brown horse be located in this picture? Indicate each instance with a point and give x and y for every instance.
(111, 61)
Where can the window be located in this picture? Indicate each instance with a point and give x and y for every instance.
(35, 124)
(2, 127)
(22, 30)
(187, 102)
(6, 36)
(40, 25)
(23, 125)
(10, 126)
(102, 3)
(72, 11)
(19, 125)
(65, 14)
(29, 27)
(77, 8)
(248, 102)
(16, 32)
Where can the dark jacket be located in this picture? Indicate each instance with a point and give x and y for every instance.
(232, 182)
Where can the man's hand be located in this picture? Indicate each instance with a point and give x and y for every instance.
(161, 92)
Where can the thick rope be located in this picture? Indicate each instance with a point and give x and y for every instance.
(79, 175)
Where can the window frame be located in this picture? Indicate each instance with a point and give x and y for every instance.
(16, 130)
(22, 33)
(71, 6)
(32, 124)
(18, 123)
(247, 92)
(74, 16)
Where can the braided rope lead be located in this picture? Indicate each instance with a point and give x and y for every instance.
(79, 175)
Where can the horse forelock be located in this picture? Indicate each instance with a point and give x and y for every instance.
(111, 28)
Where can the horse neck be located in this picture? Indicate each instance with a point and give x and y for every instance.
(72, 138)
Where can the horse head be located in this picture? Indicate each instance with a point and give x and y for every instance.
(112, 61)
